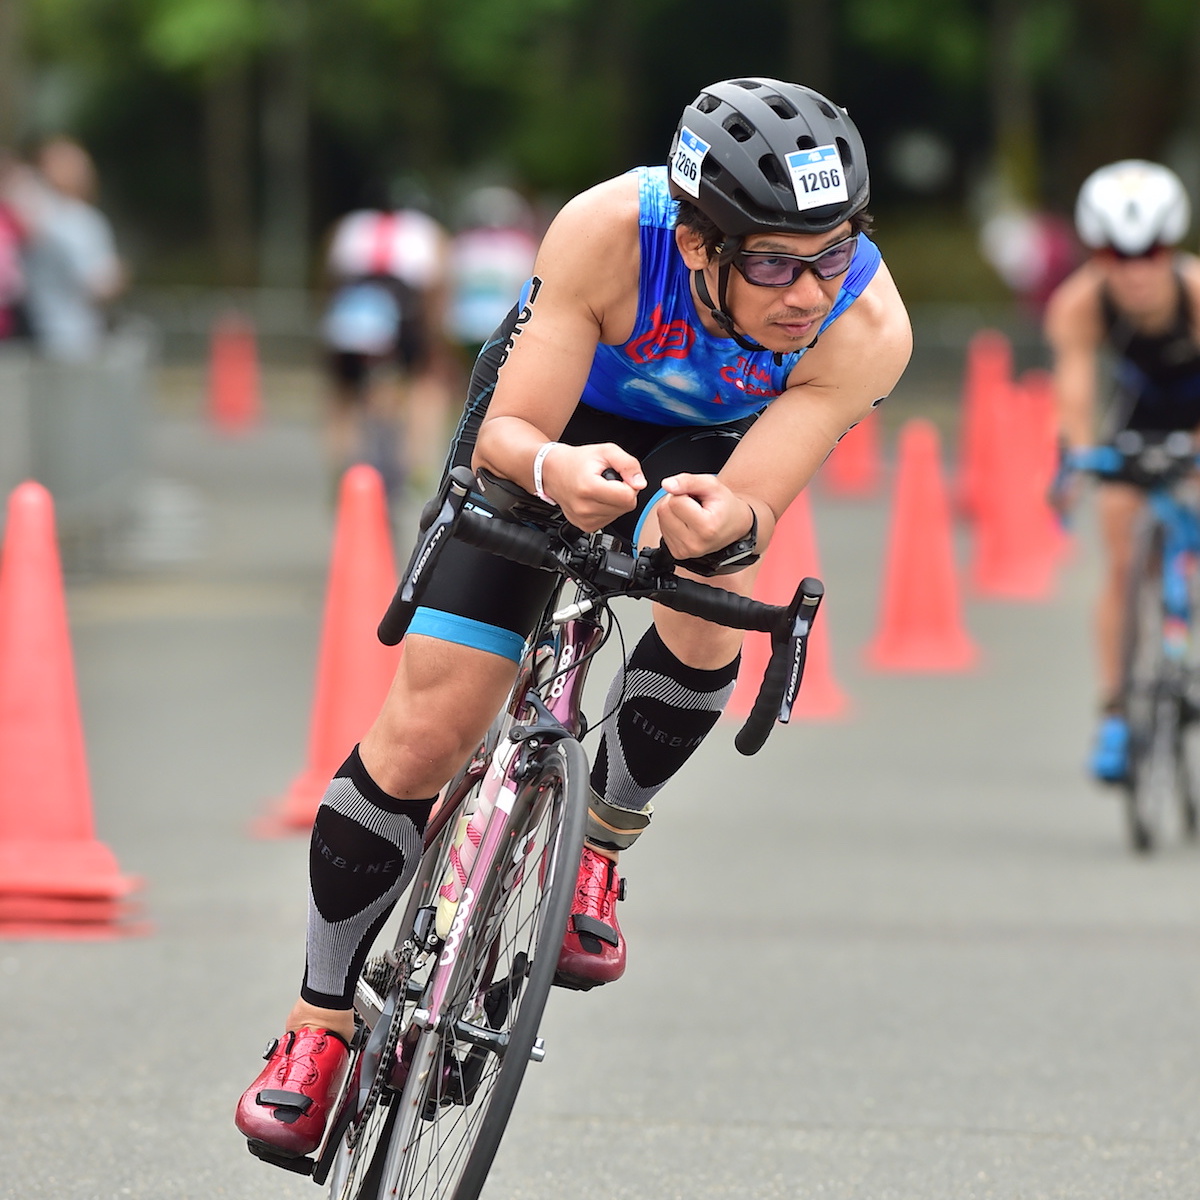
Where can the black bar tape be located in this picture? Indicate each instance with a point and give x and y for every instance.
(721, 607)
(529, 547)
(761, 721)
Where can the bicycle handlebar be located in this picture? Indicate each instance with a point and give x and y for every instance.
(611, 572)
(1163, 457)
(517, 543)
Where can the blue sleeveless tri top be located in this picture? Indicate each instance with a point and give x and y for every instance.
(672, 371)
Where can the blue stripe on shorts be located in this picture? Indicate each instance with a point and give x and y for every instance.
(464, 631)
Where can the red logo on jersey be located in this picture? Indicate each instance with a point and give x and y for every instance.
(749, 378)
(670, 340)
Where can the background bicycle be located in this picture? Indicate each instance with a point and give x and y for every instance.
(1159, 654)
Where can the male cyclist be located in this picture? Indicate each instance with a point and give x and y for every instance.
(1136, 301)
(707, 330)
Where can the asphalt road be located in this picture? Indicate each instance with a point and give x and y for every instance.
(901, 956)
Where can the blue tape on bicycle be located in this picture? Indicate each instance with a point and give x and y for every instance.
(464, 631)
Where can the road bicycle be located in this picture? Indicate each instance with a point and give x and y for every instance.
(1159, 675)
(447, 1019)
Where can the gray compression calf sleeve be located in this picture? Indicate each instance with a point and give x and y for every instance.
(664, 710)
(364, 852)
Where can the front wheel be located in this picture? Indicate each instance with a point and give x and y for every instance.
(1152, 716)
(467, 1069)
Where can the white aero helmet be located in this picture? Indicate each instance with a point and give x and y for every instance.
(1132, 206)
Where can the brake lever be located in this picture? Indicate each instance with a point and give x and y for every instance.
(438, 520)
(781, 680)
(802, 612)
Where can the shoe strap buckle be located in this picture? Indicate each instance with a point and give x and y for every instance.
(582, 923)
(289, 1106)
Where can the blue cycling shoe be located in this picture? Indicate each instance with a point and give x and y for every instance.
(1110, 752)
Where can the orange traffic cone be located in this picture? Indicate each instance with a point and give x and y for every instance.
(233, 380)
(986, 384)
(55, 878)
(855, 468)
(791, 556)
(921, 625)
(354, 669)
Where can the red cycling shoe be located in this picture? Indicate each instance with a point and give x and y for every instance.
(285, 1109)
(593, 951)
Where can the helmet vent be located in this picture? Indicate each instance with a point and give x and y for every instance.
(769, 166)
(737, 128)
(827, 109)
(844, 153)
(780, 106)
(805, 142)
(707, 103)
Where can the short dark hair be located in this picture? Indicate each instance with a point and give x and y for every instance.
(690, 217)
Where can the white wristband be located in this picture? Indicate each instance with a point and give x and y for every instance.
(538, 459)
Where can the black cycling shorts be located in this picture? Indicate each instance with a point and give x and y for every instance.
(478, 599)
(410, 352)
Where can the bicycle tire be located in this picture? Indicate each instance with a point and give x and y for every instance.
(1189, 694)
(1188, 782)
(1153, 746)
(459, 1095)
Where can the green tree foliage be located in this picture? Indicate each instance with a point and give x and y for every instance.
(201, 35)
(183, 99)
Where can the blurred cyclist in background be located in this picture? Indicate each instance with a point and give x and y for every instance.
(382, 331)
(490, 259)
(1137, 302)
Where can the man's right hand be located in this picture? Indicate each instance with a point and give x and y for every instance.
(1065, 489)
(573, 476)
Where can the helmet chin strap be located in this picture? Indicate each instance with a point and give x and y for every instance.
(719, 314)
(722, 317)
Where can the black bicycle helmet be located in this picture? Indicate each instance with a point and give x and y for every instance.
(735, 169)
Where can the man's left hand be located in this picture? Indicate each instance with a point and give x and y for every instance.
(700, 514)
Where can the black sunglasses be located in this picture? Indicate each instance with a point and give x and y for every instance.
(1154, 251)
(765, 269)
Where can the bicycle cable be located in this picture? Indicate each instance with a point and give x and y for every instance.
(591, 653)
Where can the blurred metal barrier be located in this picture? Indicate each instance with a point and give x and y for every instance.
(79, 428)
(285, 320)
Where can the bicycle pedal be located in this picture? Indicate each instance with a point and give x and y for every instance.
(573, 984)
(296, 1163)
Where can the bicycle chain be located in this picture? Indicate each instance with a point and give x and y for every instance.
(386, 1064)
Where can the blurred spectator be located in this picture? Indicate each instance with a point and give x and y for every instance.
(489, 261)
(72, 270)
(382, 329)
(1032, 252)
(12, 273)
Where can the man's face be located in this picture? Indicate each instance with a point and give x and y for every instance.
(787, 318)
(1141, 284)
